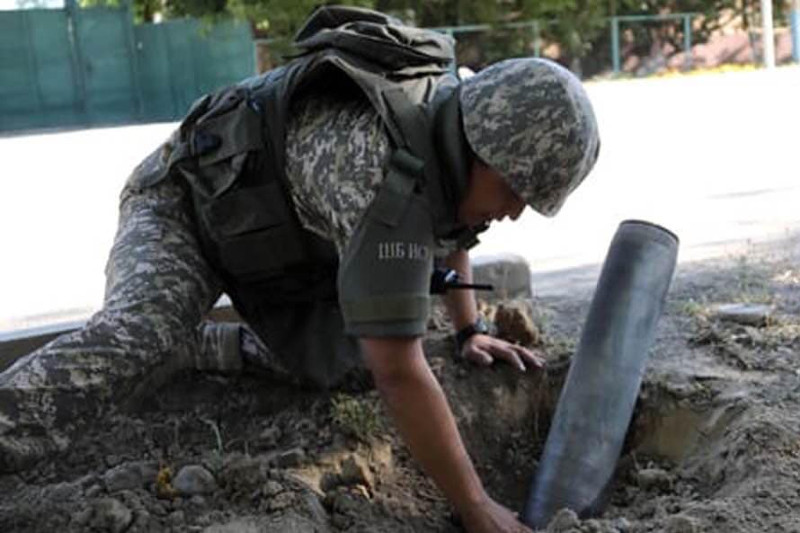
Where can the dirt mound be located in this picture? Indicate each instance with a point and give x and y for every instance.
(714, 446)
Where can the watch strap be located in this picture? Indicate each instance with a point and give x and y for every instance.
(479, 327)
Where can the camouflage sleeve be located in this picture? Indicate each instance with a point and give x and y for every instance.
(158, 288)
(384, 276)
(335, 154)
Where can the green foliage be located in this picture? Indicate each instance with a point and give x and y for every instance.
(356, 417)
(575, 31)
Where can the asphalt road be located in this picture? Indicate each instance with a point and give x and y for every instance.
(715, 158)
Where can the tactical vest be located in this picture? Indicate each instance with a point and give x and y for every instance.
(231, 151)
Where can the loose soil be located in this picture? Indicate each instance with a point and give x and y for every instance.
(714, 444)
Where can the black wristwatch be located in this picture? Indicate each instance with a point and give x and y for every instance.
(479, 327)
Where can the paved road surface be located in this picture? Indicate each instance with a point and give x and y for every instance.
(715, 158)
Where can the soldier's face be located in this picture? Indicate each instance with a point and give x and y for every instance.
(488, 198)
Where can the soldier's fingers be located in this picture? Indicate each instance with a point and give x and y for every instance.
(480, 356)
(531, 357)
(506, 352)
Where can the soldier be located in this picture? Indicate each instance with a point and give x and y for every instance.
(321, 214)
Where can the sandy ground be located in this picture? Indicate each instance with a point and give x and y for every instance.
(712, 157)
(713, 445)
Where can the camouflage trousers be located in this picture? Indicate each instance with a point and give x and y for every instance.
(158, 290)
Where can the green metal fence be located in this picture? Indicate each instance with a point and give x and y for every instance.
(84, 67)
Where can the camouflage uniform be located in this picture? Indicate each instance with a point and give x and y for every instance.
(529, 119)
(159, 287)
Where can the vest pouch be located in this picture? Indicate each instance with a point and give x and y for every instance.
(256, 235)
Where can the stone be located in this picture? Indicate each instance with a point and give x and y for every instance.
(680, 523)
(270, 436)
(514, 324)
(109, 514)
(93, 491)
(313, 505)
(355, 471)
(176, 518)
(194, 479)
(82, 517)
(280, 501)
(130, 476)
(563, 521)
(743, 313)
(621, 524)
(654, 478)
(272, 488)
(290, 458)
(510, 274)
(63, 492)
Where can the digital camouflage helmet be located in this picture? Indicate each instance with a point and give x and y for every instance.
(531, 120)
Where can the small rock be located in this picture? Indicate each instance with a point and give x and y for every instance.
(197, 501)
(563, 521)
(93, 491)
(176, 518)
(291, 458)
(130, 476)
(355, 471)
(622, 524)
(272, 488)
(514, 324)
(270, 436)
(111, 515)
(509, 274)
(654, 478)
(82, 517)
(313, 505)
(194, 479)
(87, 481)
(747, 314)
(280, 501)
(64, 492)
(680, 523)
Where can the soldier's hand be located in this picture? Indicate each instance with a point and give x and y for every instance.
(491, 517)
(485, 349)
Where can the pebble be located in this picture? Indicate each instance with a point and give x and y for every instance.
(680, 523)
(271, 488)
(622, 524)
(82, 517)
(654, 478)
(194, 479)
(270, 436)
(111, 515)
(355, 470)
(291, 458)
(563, 521)
(176, 518)
(93, 491)
(62, 492)
(130, 476)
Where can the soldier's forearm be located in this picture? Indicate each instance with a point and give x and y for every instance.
(461, 303)
(421, 413)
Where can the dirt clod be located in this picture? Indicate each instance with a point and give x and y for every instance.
(514, 324)
(563, 521)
